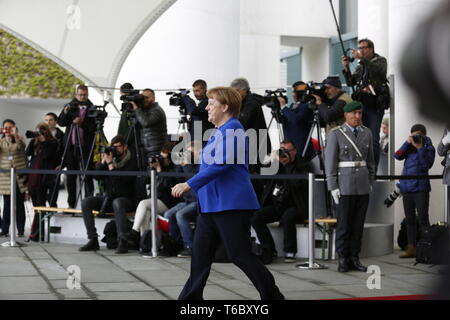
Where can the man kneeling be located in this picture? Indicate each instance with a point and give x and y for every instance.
(119, 196)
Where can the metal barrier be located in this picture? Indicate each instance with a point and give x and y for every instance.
(311, 264)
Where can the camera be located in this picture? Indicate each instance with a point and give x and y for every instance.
(176, 98)
(312, 88)
(98, 112)
(393, 196)
(283, 153)
(109, 150)
(32, 134)
(417, 138)
(154, 158)
(271, 98)
(131, 96)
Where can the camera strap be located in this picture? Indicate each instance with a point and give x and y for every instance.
(351, 141)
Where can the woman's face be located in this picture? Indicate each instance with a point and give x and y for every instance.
(216, 111)
(7, 128)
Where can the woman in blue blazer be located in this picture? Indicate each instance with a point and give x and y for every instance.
(226, 201)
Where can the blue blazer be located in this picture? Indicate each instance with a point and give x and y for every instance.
(223, 182)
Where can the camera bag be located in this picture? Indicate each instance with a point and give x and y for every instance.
(433, 246)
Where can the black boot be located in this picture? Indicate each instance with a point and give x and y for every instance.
(92, 245)
(343, 264)
(122, 247)
(355, 264)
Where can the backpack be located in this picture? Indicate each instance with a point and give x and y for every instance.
(169, 246)
(110, 232)
(433, 246)
(402, 238)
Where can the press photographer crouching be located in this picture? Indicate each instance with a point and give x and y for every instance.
(119, 196)
(418, 153)
(285, 201)
(42, 154)
(332, 110)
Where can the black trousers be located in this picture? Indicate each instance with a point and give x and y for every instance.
(372, 118)
(120, 207)
(39, 198)
(411, 202)
(351, 214)
(20, 212)
(233, 229)
(288, 219)
(72, 161)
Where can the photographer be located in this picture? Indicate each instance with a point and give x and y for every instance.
(78, 139)
(418, 153)
(372, 89)
(12, 155)
(198, 113)
(153, 124)
(42, 154)
(52, 119)
(165, 201)
(285, 201)
(119, 194)
(332, 112)
(298, 118)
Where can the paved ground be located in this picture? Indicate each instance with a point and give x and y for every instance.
(40, 272)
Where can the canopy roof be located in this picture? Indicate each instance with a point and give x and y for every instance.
(90, 38)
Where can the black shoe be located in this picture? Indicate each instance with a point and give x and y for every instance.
(186, 253)
(122, 247)
(92, 245)
(355, 264)
(343, 264)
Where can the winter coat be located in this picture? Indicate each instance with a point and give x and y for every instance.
(417, 163)
(17, 150)
(153, 131)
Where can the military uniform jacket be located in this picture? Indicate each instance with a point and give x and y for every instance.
(444, 151)
(349, 180)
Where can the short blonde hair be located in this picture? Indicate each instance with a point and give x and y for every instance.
(228, 96)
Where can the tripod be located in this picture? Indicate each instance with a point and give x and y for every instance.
(139, 159)
(316, 127)
(99, 134)
(276, 115)
(182, 122)
(66, 147)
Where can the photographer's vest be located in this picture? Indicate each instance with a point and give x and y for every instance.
(330, 126)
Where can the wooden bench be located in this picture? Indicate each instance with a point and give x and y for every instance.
(50, 211)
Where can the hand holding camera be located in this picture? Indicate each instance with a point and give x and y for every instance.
(416, 139)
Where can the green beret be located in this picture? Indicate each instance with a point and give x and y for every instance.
(352, 106)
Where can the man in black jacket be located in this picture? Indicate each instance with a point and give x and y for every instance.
(78, 140)
(119, 195)
(285, 201)
(198, 113)
(152, 124)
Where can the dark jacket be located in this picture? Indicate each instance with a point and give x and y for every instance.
(164, 187)
(417, 163)
(119, 186)
(252, 117)
(333, 112)
(46, 159)
(88, 125)
(198, 114)
(298, 121)
(153, 132)
(371, 72)
(298, 189)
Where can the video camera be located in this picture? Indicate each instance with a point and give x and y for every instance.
(176, 98)
(98, 112)
(131, 96)
(271, 98)
(312, 88)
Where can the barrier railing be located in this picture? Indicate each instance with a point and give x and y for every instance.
(311, 264)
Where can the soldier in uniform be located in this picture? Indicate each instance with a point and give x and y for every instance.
(350, 171)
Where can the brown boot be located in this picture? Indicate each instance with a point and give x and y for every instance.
(409, 253)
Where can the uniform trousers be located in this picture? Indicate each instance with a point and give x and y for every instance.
(351, 214)
(233, 230)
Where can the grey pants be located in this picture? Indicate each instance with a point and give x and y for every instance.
(120, 207)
